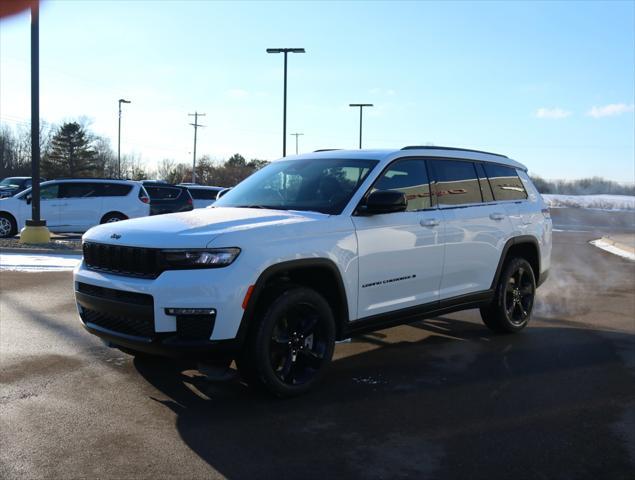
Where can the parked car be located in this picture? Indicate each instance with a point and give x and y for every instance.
(167, 198)
(316, 248)
(202, 195)
(12, 185)
(76, 205)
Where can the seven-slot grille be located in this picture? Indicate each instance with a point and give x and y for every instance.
(122, 260)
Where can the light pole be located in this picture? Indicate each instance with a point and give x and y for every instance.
(35, 230)
(121, 100)
(284, 105)
(296, 135)
(361, 107)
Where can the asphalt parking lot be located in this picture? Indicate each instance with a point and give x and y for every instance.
(441, 398)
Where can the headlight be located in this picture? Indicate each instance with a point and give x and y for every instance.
(208, 258)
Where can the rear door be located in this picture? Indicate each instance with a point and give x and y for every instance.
(475, 230)
(509, 190)
(80, 205)
(400, 254)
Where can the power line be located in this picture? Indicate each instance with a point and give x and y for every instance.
(195, 125)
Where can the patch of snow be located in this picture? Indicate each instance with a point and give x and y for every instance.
(597, 202)
(609, 247)
(20, 262)
(368, 380)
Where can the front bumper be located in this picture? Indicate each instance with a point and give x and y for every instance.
(132, 312)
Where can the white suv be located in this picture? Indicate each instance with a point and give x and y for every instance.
(316, 248)
(76, 205)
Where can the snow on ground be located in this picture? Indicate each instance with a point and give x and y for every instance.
(611, 248)
(598, 202)
(21, 262)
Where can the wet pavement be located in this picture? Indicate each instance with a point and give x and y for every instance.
(440, 398)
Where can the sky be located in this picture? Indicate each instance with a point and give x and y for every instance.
(550, 84)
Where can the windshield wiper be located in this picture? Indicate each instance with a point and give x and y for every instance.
(264, 207)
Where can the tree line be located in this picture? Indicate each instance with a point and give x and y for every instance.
(71, 150)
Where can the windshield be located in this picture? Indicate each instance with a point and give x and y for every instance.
(11, 181)
(320, 185)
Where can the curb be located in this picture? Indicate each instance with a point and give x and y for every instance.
(40, 251)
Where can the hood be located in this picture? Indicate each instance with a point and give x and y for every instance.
(194, 229)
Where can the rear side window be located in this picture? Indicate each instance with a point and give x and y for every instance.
(456, 182)
(163, 193)
(114, 190)
(203, 193)
(79, 190)
(486, 189)
(505, 182)
(409, 177)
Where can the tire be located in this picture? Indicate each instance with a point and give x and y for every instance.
(510, 311)
(113, 217)
(291, 347)
(8, 226)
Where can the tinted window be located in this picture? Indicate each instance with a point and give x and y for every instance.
(114, 190)
(486, 189)
(78, 190)
(456, 182)
(203, 193)
(163, 193)
(505, 182)
(49, 192)
(411, 178)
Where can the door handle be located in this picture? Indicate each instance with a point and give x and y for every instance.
(496, 216)
(429, 222)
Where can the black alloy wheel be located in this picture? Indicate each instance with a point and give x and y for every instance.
(290, 348)
(510, 311)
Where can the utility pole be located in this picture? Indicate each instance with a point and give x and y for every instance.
(284, 100)
(195, 125)
(296, 135)
(361, 107)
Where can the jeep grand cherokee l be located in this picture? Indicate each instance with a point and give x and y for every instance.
(316, 248)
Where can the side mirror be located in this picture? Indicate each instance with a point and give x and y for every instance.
(28, 199)
(384, 201)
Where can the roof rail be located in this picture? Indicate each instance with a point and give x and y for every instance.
(326, 150)
(433, 147)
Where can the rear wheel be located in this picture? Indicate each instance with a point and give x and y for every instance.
(8, 226)
(292, 345)
(113, 217)
(514, 299)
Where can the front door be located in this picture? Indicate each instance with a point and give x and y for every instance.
(400, 254)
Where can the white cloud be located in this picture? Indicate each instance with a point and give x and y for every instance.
(237, 93)
(610, 110)
(553, 113)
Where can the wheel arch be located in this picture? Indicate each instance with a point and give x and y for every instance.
(320, 274)
(525, 246)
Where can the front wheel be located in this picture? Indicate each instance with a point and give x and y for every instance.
(514, 299)
(294, 342)
(8, 227)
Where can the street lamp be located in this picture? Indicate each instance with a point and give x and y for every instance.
(121, 100)
(284, 105)
(361, 107)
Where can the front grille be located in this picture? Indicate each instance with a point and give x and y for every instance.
(119, 295)
(121, 324)
(122, 260)
(194, 327)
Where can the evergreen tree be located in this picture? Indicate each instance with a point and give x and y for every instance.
(71, 154)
